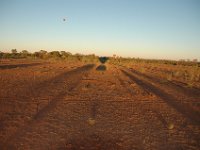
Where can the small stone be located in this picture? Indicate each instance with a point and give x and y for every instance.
(170, 126)
(91, 121)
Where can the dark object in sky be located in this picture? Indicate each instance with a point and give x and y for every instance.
(64, 19)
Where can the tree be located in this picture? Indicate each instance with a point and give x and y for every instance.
(78, 56)
(6, 55)
(65, 54)
(1, 54)
(14, 51)
(43, 54)
(36, 54)
(24, 53)
(55, 54)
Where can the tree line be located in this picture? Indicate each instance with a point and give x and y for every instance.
(63, 55)
(42, 54)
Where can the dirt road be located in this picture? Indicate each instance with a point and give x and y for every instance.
(110, 108)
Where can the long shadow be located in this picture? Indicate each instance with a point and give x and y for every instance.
(39, 88)
(58, 97)
(96, 142)
(18, 65)
(192, 115)
(52, 104)
(101, 68)
(59, 78)
(188, 91)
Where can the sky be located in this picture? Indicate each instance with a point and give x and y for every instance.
(155, 29)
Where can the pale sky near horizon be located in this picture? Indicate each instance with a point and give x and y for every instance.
(158, 29)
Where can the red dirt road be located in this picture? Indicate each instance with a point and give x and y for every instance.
(65, 107)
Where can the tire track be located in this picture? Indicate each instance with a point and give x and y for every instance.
(75, 76)
(181, 129)
(186, 91)
(189, 113)
(130, 90)
(186, 96)
(19, 65)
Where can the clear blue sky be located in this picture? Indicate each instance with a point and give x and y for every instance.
(167, 29)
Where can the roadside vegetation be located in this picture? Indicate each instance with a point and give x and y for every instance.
(53, 55)
(183, 72)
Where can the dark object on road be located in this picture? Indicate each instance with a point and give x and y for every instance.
(101, 68)
(103, 59)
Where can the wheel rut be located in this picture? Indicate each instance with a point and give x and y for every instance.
(73, 78)
(189, 113)
(106, 109)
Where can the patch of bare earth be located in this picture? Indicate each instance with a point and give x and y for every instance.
(88, 108)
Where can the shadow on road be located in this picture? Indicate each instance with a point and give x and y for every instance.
(101, 68)
(18, 65)
(94, 142)
(52, 103)
(192, 92)
(188, 112)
